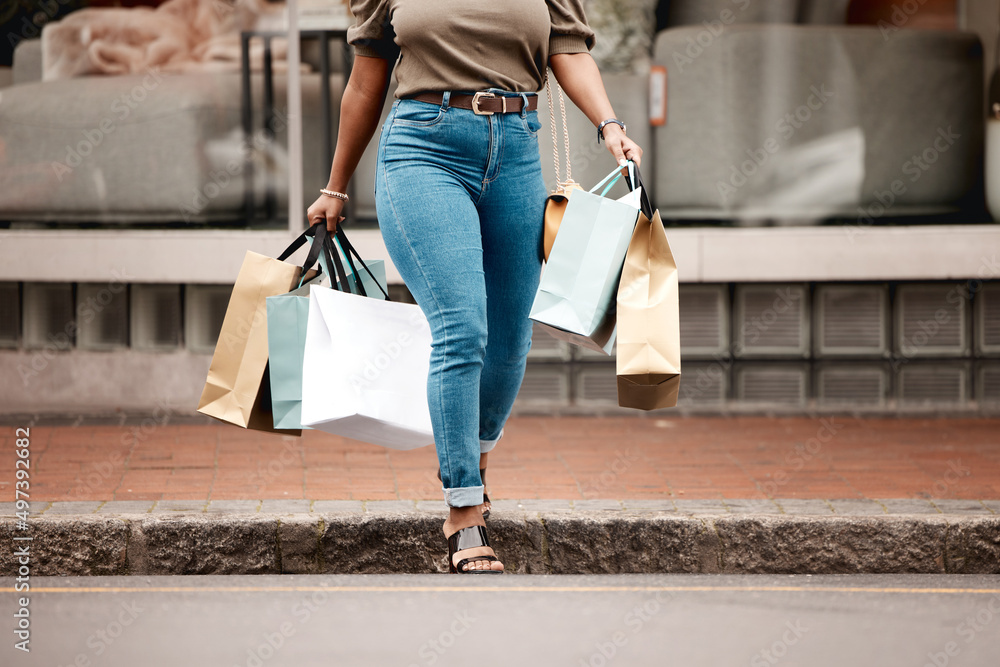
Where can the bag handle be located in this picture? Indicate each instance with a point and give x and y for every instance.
(297, 243)
(634, 180)
(321, 248)
(349, 250)
(552, 128)
(323, 243)
(354, 270)
(350, 262)
(616, 174)
(314, 250)
(338, 276)
(630, 167)
(322, 251)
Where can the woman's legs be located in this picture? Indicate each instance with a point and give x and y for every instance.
(431, 230)
(465, 236)
(511, 224)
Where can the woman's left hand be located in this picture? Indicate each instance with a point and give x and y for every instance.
(621, 146)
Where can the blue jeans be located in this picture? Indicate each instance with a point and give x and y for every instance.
(459, 199)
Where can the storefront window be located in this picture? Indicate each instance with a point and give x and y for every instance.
(791, 112)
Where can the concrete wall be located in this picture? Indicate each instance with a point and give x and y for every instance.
(49, 381)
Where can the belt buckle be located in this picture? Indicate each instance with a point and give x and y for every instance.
(475, 103)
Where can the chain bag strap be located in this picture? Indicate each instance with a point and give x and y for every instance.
(560, 184)
(555, 203)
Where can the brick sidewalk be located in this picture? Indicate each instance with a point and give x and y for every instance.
(569, 458)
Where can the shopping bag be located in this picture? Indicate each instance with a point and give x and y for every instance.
(364, 369)
(575, 300)
(237, 389)
(649, 339)
(287, 316)
(287, 319)
(555, 209)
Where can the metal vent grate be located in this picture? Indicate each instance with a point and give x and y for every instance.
(772, 320)
(856, 384)
(704, 320)
(931, 321)
(772, 383)
(933, 383)
(156, 317)
(10, 315)
(988, 389)
(988, 319)
(102, 314)
(544, 384)
(204, 309)
(545, 346)
(703, 384)
(597, 384)
(48, 316)
(851, 320)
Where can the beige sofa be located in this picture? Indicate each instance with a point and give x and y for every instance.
(175, 156)
(145, 148)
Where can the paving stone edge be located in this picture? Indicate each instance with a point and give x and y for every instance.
(531, 542)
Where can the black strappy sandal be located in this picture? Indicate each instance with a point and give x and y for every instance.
(468, 538)
(486, 498)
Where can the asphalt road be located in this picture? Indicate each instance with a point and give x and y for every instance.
(684, 620)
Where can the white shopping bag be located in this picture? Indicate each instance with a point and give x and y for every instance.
(364, 373)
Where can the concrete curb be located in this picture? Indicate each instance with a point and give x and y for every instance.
(560, 539)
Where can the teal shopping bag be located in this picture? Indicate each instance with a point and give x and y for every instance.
(575, 301)
(288, 318)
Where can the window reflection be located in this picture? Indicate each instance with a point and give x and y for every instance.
(859, 113)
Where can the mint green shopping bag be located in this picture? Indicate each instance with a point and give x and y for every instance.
(288, 318)
(575, 301)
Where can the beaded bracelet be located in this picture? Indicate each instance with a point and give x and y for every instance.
(334, 194)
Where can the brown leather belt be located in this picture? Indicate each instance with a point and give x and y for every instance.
(482, 104)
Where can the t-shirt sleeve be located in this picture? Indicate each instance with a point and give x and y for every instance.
(570, 32)
(372, 33)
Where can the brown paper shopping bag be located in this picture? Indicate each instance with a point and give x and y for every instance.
(649, 345)
(237, 390)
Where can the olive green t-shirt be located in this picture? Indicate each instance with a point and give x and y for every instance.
(468, 45)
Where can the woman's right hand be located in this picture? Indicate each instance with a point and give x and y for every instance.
(326, 209)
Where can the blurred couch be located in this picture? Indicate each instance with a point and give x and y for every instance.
(147, 148)
(790, 121)
(783, 114)
(897, 132)
(774, 112)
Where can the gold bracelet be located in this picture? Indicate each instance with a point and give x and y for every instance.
(334, 194)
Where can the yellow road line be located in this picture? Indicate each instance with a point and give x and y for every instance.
(500, 589)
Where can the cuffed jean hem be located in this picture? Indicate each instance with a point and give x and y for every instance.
(486, 446)
(464, 496)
